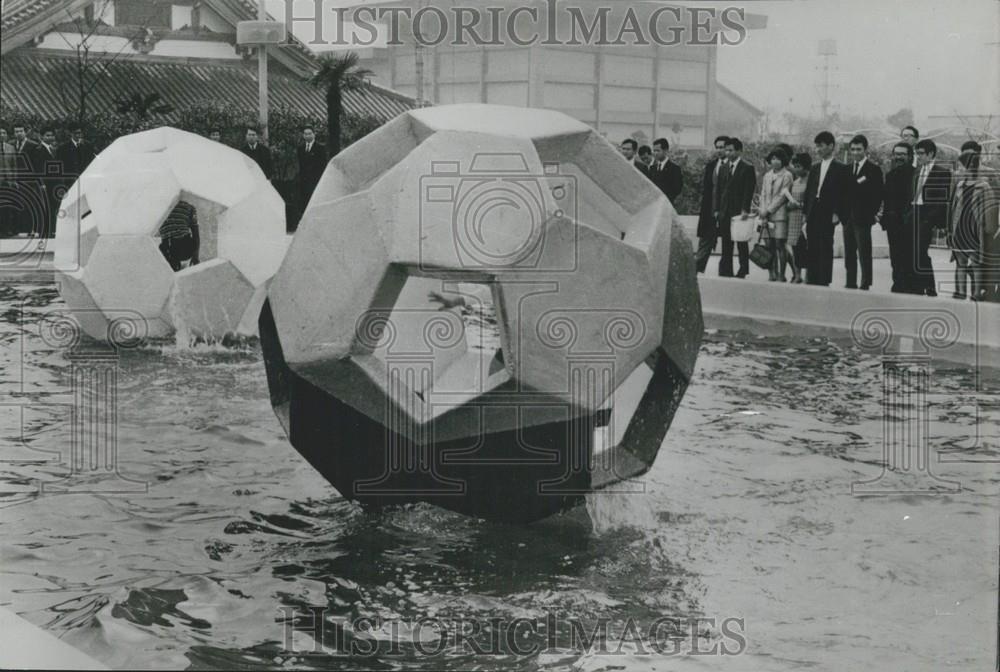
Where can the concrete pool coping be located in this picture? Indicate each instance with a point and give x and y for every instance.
(725, 301)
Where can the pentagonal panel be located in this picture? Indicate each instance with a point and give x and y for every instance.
(212, 171)
(132, 196)
(128, 272)
(332, 274)
(208, 300)
(85, 309)
(251, 234)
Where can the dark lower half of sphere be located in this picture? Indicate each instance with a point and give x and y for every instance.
(520, 475)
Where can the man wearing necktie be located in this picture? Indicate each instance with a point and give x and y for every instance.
(312, 163)
(864, 198)
(52, 183)
(825, 205)
(738, 181)
(258, 152)
(664, 174)
(28, 198)
(74, 155)
(931, 198)
(708, 216)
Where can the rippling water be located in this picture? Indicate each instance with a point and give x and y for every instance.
(747, 514)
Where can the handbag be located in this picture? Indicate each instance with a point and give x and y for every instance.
(741, 230)
(761, 253)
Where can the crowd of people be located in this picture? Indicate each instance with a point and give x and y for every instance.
(801, 201)
(36, 173)
(794, 213)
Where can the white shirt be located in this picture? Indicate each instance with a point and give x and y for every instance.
(309, 147)
(661, 164)
(860, 165)
(925, 172)
(823, 167)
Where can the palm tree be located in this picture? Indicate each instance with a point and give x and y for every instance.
(338, 73)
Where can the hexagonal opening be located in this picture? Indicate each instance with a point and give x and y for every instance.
(207, 213)
(442, 343)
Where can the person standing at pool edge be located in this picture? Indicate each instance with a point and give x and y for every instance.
(825, 207)
(708, 217)
(864, 197)
(931, 198)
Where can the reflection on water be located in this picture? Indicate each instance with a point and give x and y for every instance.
(747, 514)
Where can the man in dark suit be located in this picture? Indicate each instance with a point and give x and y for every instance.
(75, 155)
(737, 181)
(825, 207)
(312, 163)
(665, 174)
(28, 197)
(628, 148)
(258, 152)
(708, 216)
(931, 200)
(897, 218)
(52, 183)
(864, 198)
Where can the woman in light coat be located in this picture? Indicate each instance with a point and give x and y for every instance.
(773, 210)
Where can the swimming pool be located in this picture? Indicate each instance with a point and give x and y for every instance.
(229, 542)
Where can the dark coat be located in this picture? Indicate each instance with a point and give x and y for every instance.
(262, 156)
(937, 197)
(669, 180)
(898, 209)
(706, 215)
(864, 194)
(311, 167)
(821, 205)
(641, 167)
(737, 193)
(74, 159)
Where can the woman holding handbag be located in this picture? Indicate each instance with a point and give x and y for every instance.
(773, 211)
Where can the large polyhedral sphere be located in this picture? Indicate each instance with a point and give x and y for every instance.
(107, 237)
(486, 308)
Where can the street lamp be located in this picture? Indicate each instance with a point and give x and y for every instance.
(261, 34)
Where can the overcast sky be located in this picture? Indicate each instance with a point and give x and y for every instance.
(931, 55)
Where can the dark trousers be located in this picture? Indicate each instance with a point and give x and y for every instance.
(820, 269)
(177, 250)
(726, 263)
(858, 247)
(705, 248)
(923, 271)
(726, 260)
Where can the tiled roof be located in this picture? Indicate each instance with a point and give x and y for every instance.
(16, 12)
(31, 80)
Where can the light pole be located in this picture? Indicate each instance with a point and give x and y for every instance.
(261, 34)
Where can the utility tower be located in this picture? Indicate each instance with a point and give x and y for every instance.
(828, 52)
